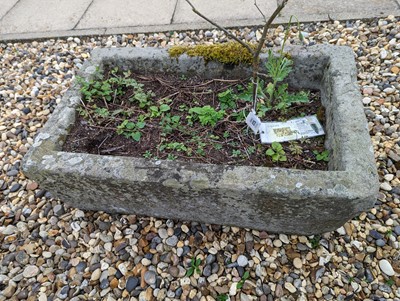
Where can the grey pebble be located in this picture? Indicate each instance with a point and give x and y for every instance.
(207, 270)
(380, 242)
(172, 241)
(150, 277)
(375, 234)
(397, 230)
(15, 187)
(132, 283)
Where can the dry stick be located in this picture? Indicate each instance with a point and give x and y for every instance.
(256, 55)
(255, 4)
(227, 32)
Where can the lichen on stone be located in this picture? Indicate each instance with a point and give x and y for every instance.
(226, 53)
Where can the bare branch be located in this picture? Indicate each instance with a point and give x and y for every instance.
(227, 32)
(262, 14)
(267, 25)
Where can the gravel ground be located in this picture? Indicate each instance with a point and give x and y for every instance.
(50, 251)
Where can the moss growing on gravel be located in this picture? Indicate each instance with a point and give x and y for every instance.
(226, 53)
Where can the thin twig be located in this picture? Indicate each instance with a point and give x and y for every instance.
(87, 111)
(110, 150)
(255, 3)
(102, 142)
(227, 32)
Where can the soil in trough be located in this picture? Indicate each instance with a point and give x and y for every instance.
(229, 141)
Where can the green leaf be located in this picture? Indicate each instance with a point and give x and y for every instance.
(246, 275)
(140, 125)
(282, 158)
(130, 125)
(270, 152)
(190, 272)
(276, 146)
(164, 108)
(136, 136)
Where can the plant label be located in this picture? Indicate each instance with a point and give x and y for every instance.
(253, 121)
(294, 129)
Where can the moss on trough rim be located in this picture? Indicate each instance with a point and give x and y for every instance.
(226, 53)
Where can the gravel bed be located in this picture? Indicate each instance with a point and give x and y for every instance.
(49, 251)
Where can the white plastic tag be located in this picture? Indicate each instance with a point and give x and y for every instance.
(304, 127)
(253, 121)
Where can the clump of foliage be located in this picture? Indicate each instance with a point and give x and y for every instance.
(194, 267)
(276, 152)
(322, 156)
(245, 276)
(207, 115)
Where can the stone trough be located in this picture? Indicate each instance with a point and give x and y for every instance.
(272, 199)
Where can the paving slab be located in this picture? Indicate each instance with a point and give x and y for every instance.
(122, 13)
(5, 6)
(223, 10)
(318, 10)
(43, 16)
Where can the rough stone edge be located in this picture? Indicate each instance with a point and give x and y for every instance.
(47, 156)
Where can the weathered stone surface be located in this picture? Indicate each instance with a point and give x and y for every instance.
(250, 197)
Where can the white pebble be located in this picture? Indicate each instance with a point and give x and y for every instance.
(386, 267)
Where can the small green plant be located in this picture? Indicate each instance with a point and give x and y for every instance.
(390, 282)
(222, 297)
(147, 154)
(236, 153)
(389, 233)
(295, 148)
(245, 276)
(131, 129)
(158, 111)
(276, 152)
(194, 267)
(227, 99)
(169, 123)
(321, 156)
(315, 242)
(207, 115)
(171, 157)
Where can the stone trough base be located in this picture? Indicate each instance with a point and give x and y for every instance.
(272, 199)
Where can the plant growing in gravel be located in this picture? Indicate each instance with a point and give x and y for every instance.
(222, 297)
(194, 266)
(276, 152)
(245, 276)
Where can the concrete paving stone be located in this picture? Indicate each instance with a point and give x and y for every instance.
(223, 10)
(124, 13)
(5, 6)
(52, 34)
(338, 9)
(43, 15)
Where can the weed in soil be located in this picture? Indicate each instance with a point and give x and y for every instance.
(191, 119)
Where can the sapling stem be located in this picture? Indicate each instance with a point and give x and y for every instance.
(256, 53)
(227, 32)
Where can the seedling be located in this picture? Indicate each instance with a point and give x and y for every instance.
(295, 148)
(222, 297)
(131, 129)
(207, 115)
(194, 267)
(276, 152)
(245, 276)
(323, 156)
(315, 242)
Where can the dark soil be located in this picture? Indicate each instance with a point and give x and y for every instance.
(228, 142)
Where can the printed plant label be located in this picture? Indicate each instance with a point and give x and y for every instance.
(294, 129)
